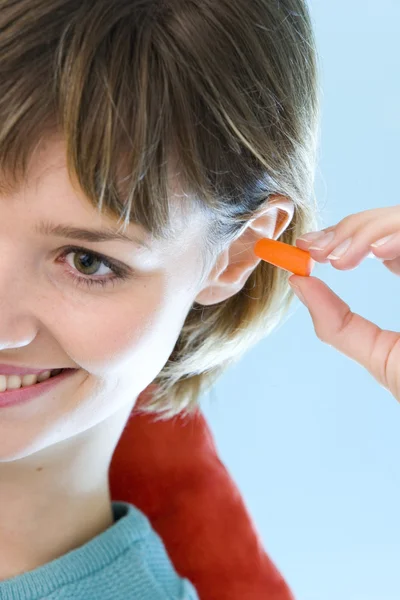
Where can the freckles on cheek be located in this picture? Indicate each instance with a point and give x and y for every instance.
(137, 329)
(94, 337)
(106, 334)
(148, 331)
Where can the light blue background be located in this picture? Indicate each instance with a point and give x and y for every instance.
(311, 439)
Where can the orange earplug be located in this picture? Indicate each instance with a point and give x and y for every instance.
(285, 256)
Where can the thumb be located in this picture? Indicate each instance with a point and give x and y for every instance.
(336, 325)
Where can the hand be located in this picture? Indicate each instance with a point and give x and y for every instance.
(375, 349)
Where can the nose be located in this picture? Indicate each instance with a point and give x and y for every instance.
(18, 324)
(16, 331)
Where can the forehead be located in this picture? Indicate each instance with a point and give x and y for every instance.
(47, 183)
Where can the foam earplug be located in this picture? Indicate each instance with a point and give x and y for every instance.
(285, 256)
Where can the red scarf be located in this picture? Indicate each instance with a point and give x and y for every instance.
(170, 470)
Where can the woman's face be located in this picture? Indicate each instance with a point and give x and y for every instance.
(118, 335)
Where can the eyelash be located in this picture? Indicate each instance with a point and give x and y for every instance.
(120, 274)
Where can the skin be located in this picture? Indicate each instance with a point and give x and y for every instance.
(376, 349)
(55, 451)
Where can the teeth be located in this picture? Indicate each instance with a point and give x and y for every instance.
(14, 382)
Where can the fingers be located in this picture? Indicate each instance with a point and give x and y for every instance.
(349, 242)
(359, 339)
(345, 245)
(393, 265)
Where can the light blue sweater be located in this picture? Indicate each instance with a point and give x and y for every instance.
(128, 561)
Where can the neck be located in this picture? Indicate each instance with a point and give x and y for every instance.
(57, 499)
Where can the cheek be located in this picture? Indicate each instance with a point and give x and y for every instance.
(129, 333)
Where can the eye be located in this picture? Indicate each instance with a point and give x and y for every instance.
(91, 261)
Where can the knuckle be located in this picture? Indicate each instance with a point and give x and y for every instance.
(348, 218)
(347, 222)
(345, 322)
(391, 342)
(325, 333)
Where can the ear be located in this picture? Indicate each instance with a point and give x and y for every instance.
(235, 264)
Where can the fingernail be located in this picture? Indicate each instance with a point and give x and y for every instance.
(382, 241)
(298, 293)
(340, 250)
(313, 235)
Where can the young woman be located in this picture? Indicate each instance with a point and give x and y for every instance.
(145, 147)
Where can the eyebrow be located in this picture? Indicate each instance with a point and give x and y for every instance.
(86, 235)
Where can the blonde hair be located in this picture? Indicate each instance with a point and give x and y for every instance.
(227, 87)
